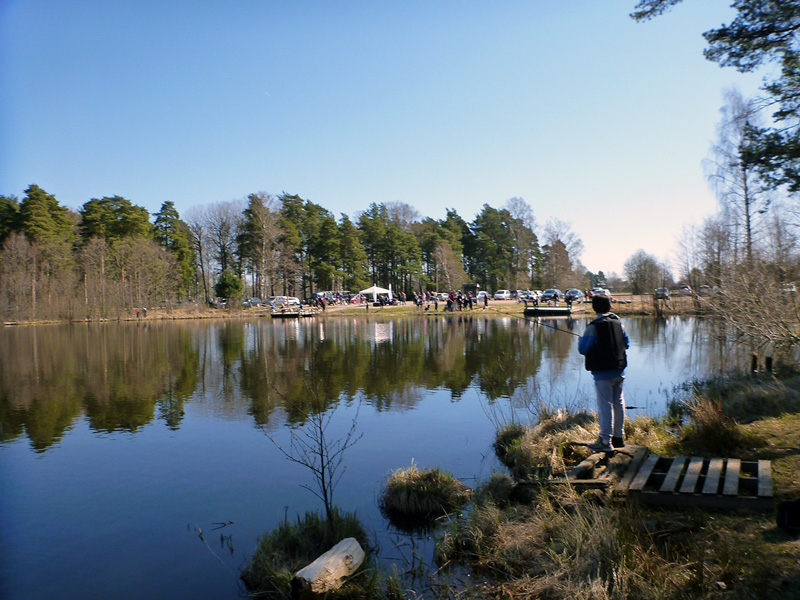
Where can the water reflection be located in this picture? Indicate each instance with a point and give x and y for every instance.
(123, 376)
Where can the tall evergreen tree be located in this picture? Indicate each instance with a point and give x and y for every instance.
(113, 218)
(173, 235)
(42, 218)
(259, 241)
(9, 216)
(353, 258)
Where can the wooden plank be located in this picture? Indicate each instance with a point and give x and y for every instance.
(711, 485)
(692, 473)
(675, 470)
(643, 475)
(764, 479)
(731, 485)
(640, 453)
(585, 467)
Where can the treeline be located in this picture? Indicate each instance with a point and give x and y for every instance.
(112, 256)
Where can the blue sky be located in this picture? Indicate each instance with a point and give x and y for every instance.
(589, 117)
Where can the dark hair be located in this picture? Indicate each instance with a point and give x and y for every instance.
(601, 304)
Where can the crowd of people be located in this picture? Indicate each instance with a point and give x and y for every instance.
(453, 301)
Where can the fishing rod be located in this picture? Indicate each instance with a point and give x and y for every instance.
(536, 320)
(555, 327)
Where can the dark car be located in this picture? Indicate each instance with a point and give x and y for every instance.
(661, 294)
(573, 295)
(551, 295)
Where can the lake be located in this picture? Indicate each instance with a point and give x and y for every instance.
(142, 459)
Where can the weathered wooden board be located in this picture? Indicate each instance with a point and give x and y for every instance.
(675, 471)
(731, 487)
(710, 483)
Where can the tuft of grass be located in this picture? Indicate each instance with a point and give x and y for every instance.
(711, 431)
(498, 490)
(547, 448)
(292, 546)
(422, 494)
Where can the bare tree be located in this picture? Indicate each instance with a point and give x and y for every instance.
(223, 223)
(734, 180)
(771, 321)
(643, 272)
(449, 268)
(312, 447)
(522, 228)
(197, 221)
(402, 215)
(558, 230)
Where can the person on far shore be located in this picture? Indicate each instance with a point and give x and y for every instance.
(604, 343)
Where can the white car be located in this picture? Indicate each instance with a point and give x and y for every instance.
(502, 295)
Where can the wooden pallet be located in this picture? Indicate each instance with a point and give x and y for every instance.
(695, 481)
(636, 474)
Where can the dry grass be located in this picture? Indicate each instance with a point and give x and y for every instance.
(567, 547)
(545, 449)
(422, 494)
(548, 449)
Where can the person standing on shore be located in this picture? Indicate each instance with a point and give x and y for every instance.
(604, 343)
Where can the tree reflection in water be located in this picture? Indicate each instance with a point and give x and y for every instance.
(123, 376)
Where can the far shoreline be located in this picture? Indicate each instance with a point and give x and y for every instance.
(624, 304)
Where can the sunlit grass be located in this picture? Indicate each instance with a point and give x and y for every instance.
(422, 493)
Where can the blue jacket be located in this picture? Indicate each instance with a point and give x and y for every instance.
(588, 341)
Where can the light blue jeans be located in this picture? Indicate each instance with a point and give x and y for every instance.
(610, 407)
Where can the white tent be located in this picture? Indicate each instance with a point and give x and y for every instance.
(375, 290)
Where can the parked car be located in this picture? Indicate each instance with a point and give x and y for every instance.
(502, 295)
(551, 294)
(788, 288)
(481, 295)
(704, 290)
(661, 293)
(573, 295)
(684, 290)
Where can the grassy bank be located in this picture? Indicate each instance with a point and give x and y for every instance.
(571, 546)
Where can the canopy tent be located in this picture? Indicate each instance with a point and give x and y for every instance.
(375, 290)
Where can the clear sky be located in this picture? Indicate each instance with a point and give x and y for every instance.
(589, 117)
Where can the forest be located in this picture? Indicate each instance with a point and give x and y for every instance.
(111, 256)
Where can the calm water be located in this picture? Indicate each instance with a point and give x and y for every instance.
(121, 443)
